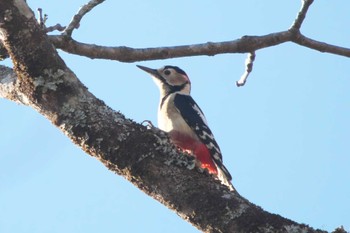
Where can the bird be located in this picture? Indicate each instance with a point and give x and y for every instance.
(181, 117)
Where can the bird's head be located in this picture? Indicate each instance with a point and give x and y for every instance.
(170, 79)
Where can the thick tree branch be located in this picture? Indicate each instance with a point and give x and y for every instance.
(144, 157)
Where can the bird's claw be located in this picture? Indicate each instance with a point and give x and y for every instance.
(148, 124)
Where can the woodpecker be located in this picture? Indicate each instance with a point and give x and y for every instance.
(181, 117)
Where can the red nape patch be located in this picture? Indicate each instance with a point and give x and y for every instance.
(198, 149)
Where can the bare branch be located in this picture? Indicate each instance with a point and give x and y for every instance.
(249, 67)
(41, 19)
(321, 46)
(127, 54)
(77, 18)
(57, 27)
(243, 45)
(301, 15)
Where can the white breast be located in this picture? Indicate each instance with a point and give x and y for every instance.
(169, 118)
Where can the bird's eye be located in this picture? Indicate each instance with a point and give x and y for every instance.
(167, 72)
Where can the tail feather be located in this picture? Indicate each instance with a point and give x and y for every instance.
(224, 175)
(215, 167)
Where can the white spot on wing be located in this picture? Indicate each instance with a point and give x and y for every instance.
(207, 135)
(200, 113)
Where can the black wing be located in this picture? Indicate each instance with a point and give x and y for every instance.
(196, 120)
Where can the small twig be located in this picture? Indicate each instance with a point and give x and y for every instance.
(249, 67)
(75, 22)
(148, 124)
(57, 27)
(42, 19)
(301, 15)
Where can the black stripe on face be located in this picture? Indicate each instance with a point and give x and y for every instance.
(172, 89)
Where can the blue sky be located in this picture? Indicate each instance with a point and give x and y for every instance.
(284, 136)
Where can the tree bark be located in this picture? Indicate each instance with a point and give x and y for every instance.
(143, 156)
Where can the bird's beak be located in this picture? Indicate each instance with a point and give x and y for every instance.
(152, 72)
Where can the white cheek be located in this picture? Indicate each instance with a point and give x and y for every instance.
(157, 82)
(160, 86)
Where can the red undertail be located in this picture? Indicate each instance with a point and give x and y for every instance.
(195, 147)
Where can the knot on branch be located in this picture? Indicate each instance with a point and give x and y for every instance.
(246, 41)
